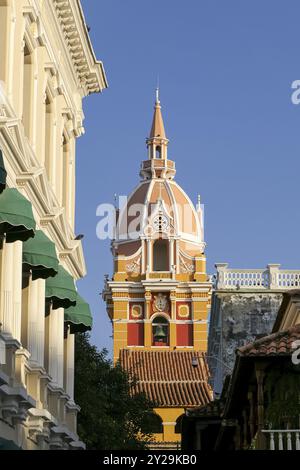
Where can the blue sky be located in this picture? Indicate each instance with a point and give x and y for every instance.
(225, 72)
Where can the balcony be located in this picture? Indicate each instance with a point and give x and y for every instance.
(283, 439)
(271, 278)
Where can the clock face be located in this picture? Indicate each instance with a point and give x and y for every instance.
(160, 223)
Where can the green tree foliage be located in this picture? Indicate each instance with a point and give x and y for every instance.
(111, 416)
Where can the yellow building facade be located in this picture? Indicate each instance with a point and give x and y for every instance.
(47, 68)
(159, 296)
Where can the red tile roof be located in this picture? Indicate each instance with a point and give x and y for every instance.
(276, 344)
(168, 377)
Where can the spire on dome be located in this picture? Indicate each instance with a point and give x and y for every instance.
(158, 128)
(157, 144)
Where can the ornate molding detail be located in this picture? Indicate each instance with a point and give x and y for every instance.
(134, 266)
(186, 267)
(160, 303)
(89, 71)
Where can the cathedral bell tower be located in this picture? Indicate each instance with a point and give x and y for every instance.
(159, 294)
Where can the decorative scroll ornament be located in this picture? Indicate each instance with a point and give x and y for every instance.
(134, 266)
(186, 267)
(161, 303)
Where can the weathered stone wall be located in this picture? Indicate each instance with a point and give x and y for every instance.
(237, 319)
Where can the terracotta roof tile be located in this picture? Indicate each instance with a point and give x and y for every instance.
(276, 344)
(168, 377)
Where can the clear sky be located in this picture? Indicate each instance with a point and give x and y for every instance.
(225, 70)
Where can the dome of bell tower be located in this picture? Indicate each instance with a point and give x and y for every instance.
(165, 197)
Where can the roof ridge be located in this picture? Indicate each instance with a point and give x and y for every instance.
(139, 351)
(269, 339)
(183, 381)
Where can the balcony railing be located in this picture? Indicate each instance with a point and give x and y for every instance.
(283, 439)
(270, 278)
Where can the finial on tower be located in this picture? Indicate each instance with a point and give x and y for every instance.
(157, 91)
(157, 96)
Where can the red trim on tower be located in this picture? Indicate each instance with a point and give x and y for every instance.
(184, 333)
(135, 334)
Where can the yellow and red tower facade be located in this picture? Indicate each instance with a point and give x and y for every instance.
(159, 295)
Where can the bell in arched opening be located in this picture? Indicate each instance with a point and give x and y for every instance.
(160, 331)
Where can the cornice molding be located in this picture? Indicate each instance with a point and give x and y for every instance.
(89, 71)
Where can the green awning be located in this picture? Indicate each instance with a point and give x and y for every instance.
(79, 317)
(61, 289)
(39, 256)
(2, 173)
(16, 217)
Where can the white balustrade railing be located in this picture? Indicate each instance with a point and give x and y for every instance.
(282, 439)
(270, 278)
(288, 279)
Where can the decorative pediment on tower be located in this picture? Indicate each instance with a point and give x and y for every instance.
(160, 221)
